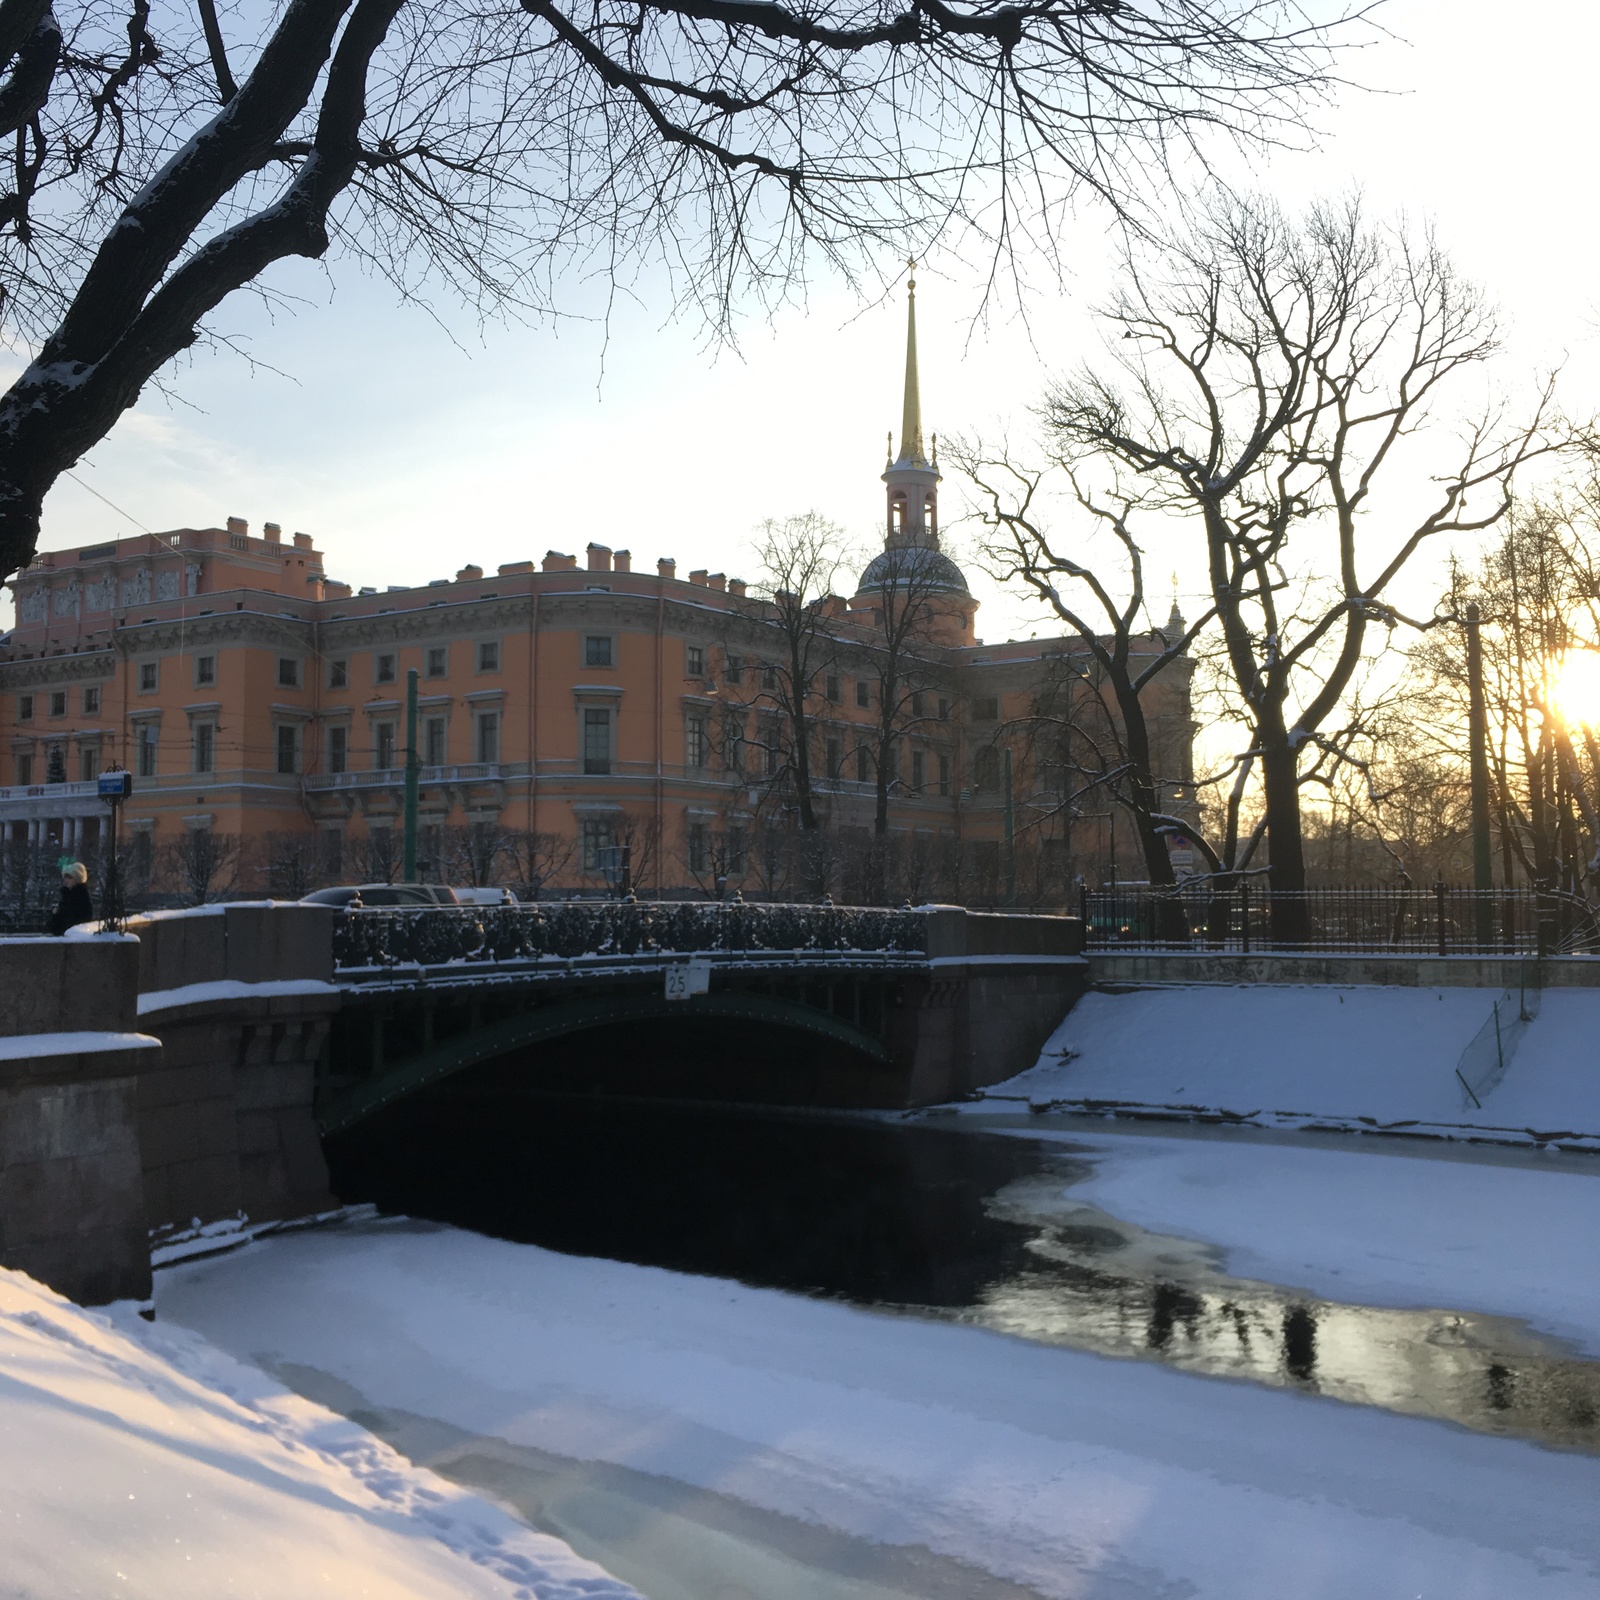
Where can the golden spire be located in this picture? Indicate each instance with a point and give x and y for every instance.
(911, 417)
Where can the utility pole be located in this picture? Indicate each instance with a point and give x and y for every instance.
(1478, 754)
(408, 869)
(1011, 836)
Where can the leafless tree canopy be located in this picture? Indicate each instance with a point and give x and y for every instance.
(1273, 374)
(163, 155)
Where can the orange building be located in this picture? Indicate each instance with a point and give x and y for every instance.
(564, 709)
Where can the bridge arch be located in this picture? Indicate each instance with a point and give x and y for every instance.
(434, 1063)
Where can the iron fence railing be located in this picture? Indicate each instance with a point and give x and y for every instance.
(1247, 916)
(372, 937)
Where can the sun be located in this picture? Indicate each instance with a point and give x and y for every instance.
(1575, 689)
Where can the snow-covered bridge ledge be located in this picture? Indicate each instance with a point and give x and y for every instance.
(1408, 970)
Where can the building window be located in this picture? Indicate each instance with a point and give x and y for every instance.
(832, 687)
(22, 764)
(338, 676)
(732, 741)
(732, 670)
(863, 764)
(597, 650)
(835, 757)
(863, 692)
(338, 749)
(736, 852)
(433, 746)
(489, 656)
(383, 746)
(384, 672)
(986, 768)
(147, 677)
(333, 850)
(144, 853)
(88, 763)
(944, 708)
(944, 774)
(58, 702)
(24, 708)
(694, 731)
(916, 704)
(438, 663)
(595, 834)
(699, 846)
(919, 771)
(695, 661)
(288, 748)
(91, 702)
(489, 737)
(145, 739)
(205, 746)
(288, 672)
(205, 671)
(769, 677)
(987, 709)
(596, 741)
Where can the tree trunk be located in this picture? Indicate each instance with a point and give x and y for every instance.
(1280, 777)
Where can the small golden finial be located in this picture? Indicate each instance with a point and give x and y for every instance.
(936, 449)
(911, 280)
(888, 449)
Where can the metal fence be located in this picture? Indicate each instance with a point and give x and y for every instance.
(373, 937)
(1438, 919)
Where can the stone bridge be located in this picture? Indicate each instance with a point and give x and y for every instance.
(170, 1083)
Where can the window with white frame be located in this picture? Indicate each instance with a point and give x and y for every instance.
(438, 661)
(146, 740)
(383, 670)
(288, 749)
(22, 766)
(203, 746)
(338, 749)
(695, 741)
(149, 676)
(91, 701)
(488, 655)
(699, 846)
(339, 678)
(863, 692)
(205, 671)
(58, 703)
(433, 742)
(694, 658)
(596, 835)
(88, 763)
(288, 672)
(24, 708)
(488, 739)
(383, 745)
(597, 650)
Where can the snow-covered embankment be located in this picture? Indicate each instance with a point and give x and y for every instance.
(1360, 1056)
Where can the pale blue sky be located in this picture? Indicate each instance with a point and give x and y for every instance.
(406, 455)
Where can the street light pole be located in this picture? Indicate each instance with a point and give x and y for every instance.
(408, 867)
(1478, 756)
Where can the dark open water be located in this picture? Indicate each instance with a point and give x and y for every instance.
(972, 1227)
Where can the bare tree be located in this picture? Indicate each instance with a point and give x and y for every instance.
(1272, 374)
(1107, 615)
(535, 861)
(202, 863)
(292, 864)
(163, 159)
(799, 559)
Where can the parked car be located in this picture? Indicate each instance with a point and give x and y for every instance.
(384, 894)
(485, 897)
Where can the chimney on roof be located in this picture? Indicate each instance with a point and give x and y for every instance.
(736, 588)
(622, 561)
(699, 576)
(272, 532)
(666, 567)
(239, 526)
(554, 561)
(599, 557)
(302, 541)
(717, 581)
(509, 568)
(469, 574)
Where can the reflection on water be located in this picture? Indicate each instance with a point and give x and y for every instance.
(975, 1228)
(1096, 1283)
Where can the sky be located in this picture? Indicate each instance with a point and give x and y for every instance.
(408, 446)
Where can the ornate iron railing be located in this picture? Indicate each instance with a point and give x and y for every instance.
(1437, 919)
(373, 937)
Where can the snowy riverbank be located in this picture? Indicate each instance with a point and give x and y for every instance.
(1319, 1055)
(139, 1461)
(1077, 1477)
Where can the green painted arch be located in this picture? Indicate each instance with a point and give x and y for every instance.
(575, 1016)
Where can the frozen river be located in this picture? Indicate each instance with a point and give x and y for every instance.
(729, 1355)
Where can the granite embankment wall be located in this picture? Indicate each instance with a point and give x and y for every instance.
(158, 1081)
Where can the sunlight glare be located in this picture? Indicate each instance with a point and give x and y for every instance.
(1575, 693)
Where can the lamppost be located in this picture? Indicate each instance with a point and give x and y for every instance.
(1478, 757)
(115, 787)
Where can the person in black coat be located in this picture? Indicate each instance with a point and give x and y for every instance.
(75, 905)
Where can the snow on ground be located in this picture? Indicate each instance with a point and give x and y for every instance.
(138, 1461)
(1085, 1478)
(1369, 1228)
(1316, 1052)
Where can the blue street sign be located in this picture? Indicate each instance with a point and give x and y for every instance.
(116, 785)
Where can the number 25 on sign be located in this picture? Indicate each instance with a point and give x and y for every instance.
(685, 978)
